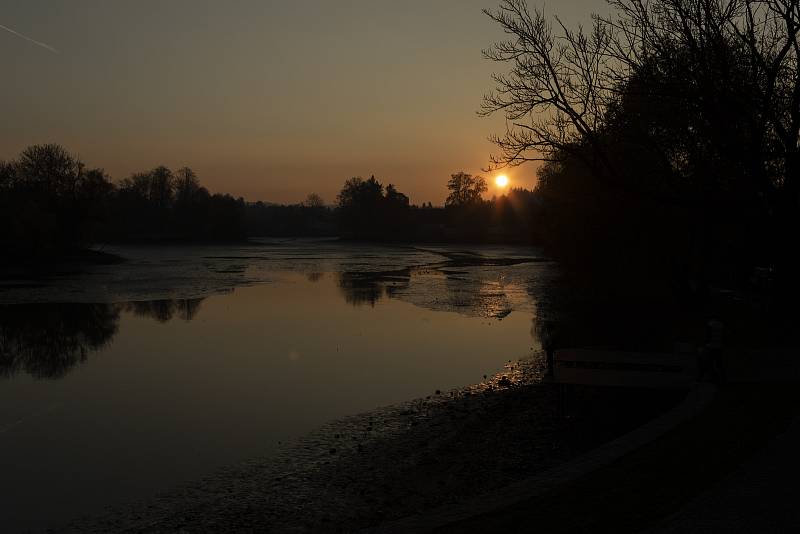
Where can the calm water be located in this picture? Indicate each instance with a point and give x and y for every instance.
(130, 379)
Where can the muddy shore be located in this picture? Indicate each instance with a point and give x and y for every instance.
(360, 471)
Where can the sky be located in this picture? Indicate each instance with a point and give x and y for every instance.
(263, 99)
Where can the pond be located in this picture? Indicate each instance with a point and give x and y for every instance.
(126, 380)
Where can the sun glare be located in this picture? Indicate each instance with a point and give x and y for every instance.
(501, 181)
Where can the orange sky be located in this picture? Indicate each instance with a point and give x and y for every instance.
(267, 100)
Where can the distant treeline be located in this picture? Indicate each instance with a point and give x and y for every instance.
(52, 203)
(366, 210)
(369, 211)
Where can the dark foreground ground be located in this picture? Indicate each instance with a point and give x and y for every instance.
(363, 471)
(728, 469)
(723, 470)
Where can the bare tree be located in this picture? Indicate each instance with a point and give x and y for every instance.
(50, 168)
(758, 37)
(137, 184)
(313, 200)
(162, 187)
(186, 185)
(557, 90)
(769, 30)
(562, 83)
(7, 175)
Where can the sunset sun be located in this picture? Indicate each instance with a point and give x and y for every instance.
(501, 181)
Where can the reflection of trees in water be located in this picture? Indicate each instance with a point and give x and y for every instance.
(164, 310)
(434, 289)
(476, 294)
(571, 314)
(314, 277)
(359, 288)
(541, 288)
(48, 340)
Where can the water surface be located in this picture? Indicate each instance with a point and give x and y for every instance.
(130, 379)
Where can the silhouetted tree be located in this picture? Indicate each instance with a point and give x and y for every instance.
(365, 212)
(161, 205)
(313, 200)
(137, 185)
(51, 202)
(395, 197)
(666, 129)
(310, 218)
(162, 187)
(7, 175)
(723, 43)
(187, 186)
(49, 169)
(465, 189)
(468, 214)
(94, 201)
(555, 95)
(360, 194)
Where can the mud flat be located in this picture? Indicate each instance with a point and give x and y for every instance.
(361, 471)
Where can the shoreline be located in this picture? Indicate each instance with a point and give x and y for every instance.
(385, 464)
(38, 267)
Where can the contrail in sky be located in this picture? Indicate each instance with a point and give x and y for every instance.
(34, 41)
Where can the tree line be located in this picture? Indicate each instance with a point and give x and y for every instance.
(51, 203)
(369, 211)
